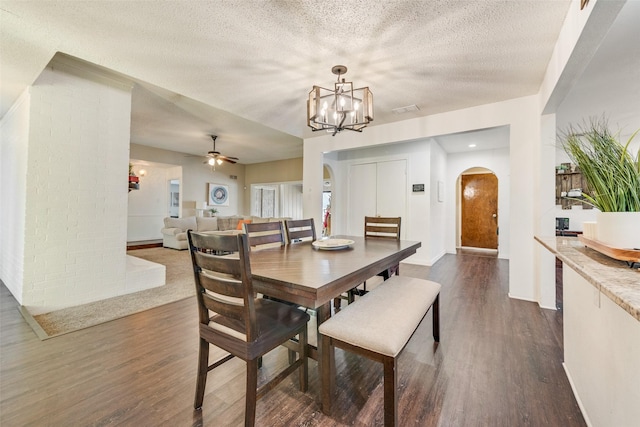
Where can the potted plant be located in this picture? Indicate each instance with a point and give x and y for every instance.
(213, 211)
(613, 177)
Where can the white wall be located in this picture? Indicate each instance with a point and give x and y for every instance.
(14, 131)
(75, 193)
(196, 176)
(149, 205)
(437, 208)
(496, 161)
(522, 115)
(417, 156)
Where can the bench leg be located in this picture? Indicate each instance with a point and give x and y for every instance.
(328, 373)
(390, 392)
(436, 319)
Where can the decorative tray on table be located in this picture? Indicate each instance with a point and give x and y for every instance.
(332, 244)
(629, 255)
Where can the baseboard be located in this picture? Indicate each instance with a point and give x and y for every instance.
(437, 258)
(143, 245)
(575, 394)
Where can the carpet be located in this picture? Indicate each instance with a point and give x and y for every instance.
(179, 285)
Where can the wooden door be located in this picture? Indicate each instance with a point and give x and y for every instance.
(479, 211)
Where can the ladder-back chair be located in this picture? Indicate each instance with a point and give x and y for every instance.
(262, 235)
(235, 320)
(376, 227)
(300, 230)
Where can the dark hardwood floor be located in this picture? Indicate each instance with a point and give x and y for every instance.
(499, 363)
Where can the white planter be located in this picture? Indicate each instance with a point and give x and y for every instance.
(619, 230)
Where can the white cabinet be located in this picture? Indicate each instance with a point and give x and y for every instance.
(376, 189)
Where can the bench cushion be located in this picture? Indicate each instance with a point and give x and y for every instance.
(384, 319)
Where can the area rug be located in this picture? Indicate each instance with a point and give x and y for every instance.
(179, 285)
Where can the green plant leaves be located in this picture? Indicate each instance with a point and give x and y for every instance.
(612, 173)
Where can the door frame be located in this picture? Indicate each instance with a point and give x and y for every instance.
(469, 171)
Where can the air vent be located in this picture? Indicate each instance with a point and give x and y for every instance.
(407, 109)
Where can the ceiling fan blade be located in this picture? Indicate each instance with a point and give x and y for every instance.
(227, 159)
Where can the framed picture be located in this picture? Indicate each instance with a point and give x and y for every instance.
(218, 195)
(175, 199)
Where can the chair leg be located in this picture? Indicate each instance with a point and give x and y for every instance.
(203, 365)
(390, 392)
(328, 373)
(252, 393)
(337, 303)
(436, 319)
(304, 368)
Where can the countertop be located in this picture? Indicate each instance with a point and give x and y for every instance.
(615, 279)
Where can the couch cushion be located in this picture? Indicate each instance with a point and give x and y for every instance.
(207, 223)
(259, 220)
(228, 222)
(185, 223)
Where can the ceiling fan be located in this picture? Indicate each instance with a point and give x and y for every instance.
(214, 156)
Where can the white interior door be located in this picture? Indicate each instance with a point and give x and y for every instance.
(391, 188)
(362, 196)
(376, 189)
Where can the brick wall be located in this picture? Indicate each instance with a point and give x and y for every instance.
(76, 192)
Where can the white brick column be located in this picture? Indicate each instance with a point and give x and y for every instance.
(76, 192)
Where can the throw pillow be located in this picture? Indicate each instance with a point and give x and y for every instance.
(241, 222)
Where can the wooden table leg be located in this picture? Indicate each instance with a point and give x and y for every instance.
(323, 313)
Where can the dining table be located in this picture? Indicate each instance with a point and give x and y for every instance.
(312, 275)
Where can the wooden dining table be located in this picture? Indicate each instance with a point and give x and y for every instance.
(312, 277)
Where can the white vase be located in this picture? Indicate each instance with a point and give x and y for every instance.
(619, 230)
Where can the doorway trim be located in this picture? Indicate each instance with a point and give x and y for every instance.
(471, 171)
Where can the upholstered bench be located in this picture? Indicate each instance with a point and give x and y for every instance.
(378, 326)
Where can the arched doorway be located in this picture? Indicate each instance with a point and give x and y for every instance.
(327, 196)
(478, 209)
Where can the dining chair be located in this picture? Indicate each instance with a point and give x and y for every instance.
(300, 230)
(375, 227)
(235, 320)
(263, 235)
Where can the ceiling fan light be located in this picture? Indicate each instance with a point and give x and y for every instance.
(219, 161)
(211, 161)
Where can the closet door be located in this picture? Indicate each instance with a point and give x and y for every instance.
(362, 196)
(391, 188)
(376, 189)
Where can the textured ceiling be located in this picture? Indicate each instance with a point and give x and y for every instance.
(243, 69)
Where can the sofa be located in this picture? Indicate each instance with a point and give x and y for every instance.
(174, 233)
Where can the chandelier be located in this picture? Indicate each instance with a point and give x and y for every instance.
(341, 108)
